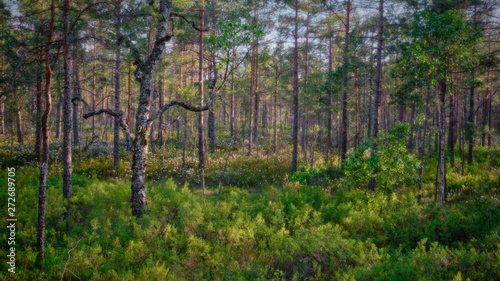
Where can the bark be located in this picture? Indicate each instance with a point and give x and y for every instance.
(411, 138)
(160, 104)
(67, 161)
(39, 110)
(305, 120)
(93, 88)
(422, 148)
(330, 70)
(345, 121)
(295, 131)
(470, 125)
(440, 106)
(305, 109)
(231, 109)
(264, 113)
(2, 123)
(152, 140)
(452, 128)
(116, 129)
(59, 117)
(378, 77)
(42, 186)
(370, 115)
(256, 83)
(275, 123)
(356, 136)
(201, 141)
(184, 147)
(464, 130)
(211, 116)
(118, 73)
(252, 88)
(19, 127)
(129, 105)
(77, 93)
(489, 109)
(211, 130)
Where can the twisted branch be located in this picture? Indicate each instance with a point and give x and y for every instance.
(121, 115)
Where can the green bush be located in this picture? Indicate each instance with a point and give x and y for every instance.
(394, 164)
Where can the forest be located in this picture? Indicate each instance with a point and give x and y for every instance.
(250, 140)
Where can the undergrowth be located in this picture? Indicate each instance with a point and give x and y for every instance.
(267, 224)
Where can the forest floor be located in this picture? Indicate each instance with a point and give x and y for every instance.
(265, 225)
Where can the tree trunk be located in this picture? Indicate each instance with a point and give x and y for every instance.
(2, 122)
(470, 125)
(345, 121)
(42, 185)
(201, 149)
(39, 110)
(212, 76)
(370, 115)
(489, 109)
(160, 104)
(464, 130)
(275, 124)
(211, 130)
(376, 106)
(256, 83)
(422, 148)
(252, 88)
(440, 106)
(184, 146)
(140, 147)
(77, 94)
(356, 136)
(116, 131)
(411, 138)
(231, 107)
(129, 105)
(452, 128)
(67, 161)
(295, 131)
(93, 88)
(19, 127)
(330, 70)
(59, 117)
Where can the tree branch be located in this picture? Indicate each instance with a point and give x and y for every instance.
(135, 52)
(89, 113)
(211, 96)
(188, 21)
